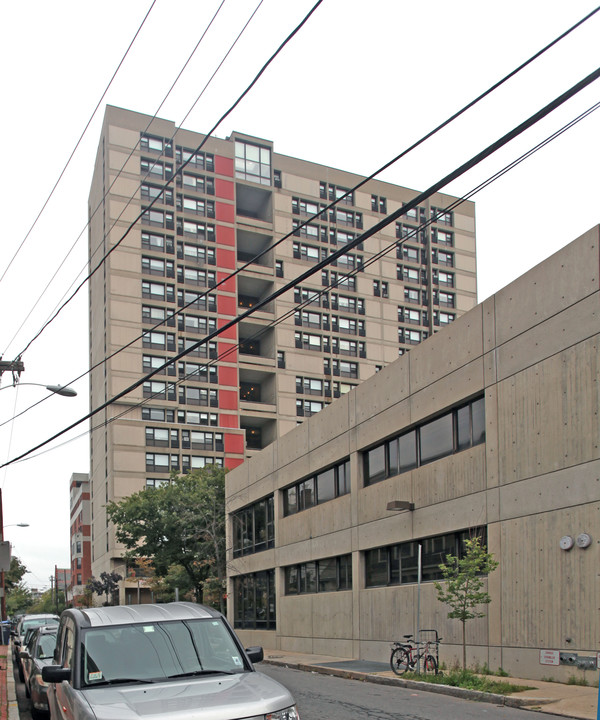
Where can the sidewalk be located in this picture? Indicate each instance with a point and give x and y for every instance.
(9, 709)
(573, 701)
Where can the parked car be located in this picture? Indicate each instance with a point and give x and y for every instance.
(25, 623)
(39, 651)
(178, 660)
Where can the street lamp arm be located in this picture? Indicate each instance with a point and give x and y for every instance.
(63, 390)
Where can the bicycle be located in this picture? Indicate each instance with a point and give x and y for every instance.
(405, 655)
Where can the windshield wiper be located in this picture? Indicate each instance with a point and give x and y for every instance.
(118, 681)
(201, 672)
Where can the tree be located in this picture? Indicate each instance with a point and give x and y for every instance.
(106, 585)
(51, 602)
(18, 600)
(14, 575)
(463, 588)
(18, 596)
(181, 523)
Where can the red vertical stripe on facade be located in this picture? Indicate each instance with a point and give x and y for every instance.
(234, 443)
(228, 399)
(223, 165)
(228, 376)
(227, 420)
(227, 305)
(225, 258)
(227, 351)
(225, 236)
(224, 212)
(224, 189)
(229, 284)
(230, 333)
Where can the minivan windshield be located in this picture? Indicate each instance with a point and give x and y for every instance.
(157, 651)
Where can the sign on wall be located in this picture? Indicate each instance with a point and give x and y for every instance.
(549, 657)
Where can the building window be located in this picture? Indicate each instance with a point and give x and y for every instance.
(158, 266)
(308, 341)
(196, 183)
(277, 178)
(280, 359)
(152, 143)
(200, 160)
(334, 192)
(443, 237)
(165, 195)
(327, 575)
(254, 601)
(155, 414)
(158, 218)
(398, 564)
(156, 390)
(378, 204)
(156, 169)
(279, 268)
(253, 163)
(308, 408)
(152, 362)
(158, 291)
(452, 432)
(441, 217)
(325, 485)
(192, 276)
(345, 368)
(157, 243)
(254, 528)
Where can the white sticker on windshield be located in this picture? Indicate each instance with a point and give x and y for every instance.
(237, 660)
(148, 628)
(95, 675)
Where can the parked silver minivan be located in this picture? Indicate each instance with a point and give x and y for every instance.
(177, 661)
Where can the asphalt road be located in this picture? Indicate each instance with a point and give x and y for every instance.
(22, 701)
(321, 696)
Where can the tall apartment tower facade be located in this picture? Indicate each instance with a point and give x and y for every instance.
(166, 284)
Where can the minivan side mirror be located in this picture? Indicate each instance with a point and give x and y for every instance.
(55, 673)
(255, 654)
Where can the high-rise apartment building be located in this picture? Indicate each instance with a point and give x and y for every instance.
(166, 284)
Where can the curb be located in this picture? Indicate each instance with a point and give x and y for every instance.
(523, 703)
(11, 690)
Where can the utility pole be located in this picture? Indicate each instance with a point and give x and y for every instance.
(14, 366)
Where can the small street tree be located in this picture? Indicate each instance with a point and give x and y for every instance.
(106, 585)
(179, 527)
(463, 587)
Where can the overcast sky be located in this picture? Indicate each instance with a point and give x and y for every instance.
(358, 84)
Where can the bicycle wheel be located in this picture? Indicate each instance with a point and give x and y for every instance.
(400, 661)
(430, 664)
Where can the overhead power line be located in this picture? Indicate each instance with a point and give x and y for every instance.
(184, 164)
(415, 202)
(78, 142)
(327, 207)
(99, 205)
(318, 292)
(428, 135)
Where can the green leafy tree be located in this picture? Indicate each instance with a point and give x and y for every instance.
(463, 587)
(107, 585)
(51, 602)
(180, 524)
(18, 600)
(18, 596)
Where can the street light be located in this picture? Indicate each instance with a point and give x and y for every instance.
(63, 390)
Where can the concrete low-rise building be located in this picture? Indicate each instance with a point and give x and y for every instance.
(490, 427)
